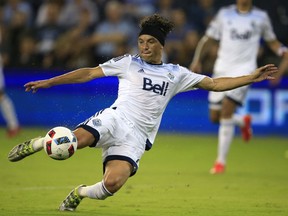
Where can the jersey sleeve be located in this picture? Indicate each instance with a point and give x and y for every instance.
(117, 66)
(188, 80)
(268, 32)
(214, 28)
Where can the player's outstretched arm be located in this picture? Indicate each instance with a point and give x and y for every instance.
(196, 65)
(283, 67)
(77, 76)
(282, 51)
(266, 72)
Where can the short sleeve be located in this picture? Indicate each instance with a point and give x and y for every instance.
(188, 80)
(214, 28)
(117, 66)
(268, 32)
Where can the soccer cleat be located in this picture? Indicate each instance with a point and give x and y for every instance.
(246, 130)
(73, 199)
(218, 168)
(22, 150)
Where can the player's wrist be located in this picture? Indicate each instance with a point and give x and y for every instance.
(282, 50)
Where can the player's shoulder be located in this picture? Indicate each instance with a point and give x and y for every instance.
(123, 59)
(227, 9)
(136, 58)
(172, 67)
(178, 70)
(259, 12)
(119, 61)
(125, 56)
(232, 9)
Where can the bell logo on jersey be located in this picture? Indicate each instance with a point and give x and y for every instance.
(240, 36)
(156, 88)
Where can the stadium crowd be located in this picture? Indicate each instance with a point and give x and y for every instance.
(68, 34)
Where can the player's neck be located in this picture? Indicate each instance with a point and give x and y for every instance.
(244, 8)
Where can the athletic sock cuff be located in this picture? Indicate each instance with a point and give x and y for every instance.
(106, 190)
(226, 121)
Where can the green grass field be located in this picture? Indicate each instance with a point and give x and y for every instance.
(173, 179)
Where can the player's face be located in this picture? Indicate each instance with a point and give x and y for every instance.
(244, 2)
(150, 49)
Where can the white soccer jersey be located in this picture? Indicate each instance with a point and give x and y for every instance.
(239, 36)
(145, 89)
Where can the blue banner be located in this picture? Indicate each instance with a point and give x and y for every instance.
(69, 105)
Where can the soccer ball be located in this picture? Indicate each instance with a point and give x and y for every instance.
(60, 143)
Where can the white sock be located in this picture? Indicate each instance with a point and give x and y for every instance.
(7, 109)
(38, 144)
(96, 191)
(238, 120)
(225, 136)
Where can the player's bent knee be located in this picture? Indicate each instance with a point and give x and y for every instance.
(116, 174)
(113, 184)
(214, 116)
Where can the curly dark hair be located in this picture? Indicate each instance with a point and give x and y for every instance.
(158, 21)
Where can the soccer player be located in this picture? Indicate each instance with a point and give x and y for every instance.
(129, 126)
(7, 106)
(238, 29)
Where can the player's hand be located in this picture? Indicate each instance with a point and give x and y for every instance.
(266, 72)
(35, 85)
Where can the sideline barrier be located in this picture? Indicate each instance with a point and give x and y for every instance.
(69, 105)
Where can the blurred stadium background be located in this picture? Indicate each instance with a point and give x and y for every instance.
(44, 38)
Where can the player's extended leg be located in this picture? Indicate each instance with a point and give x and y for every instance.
(9, 114)
(25, 149)
(116, 174)
(225, 134)
(245, 125)
(32, 146)
(215, 115)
